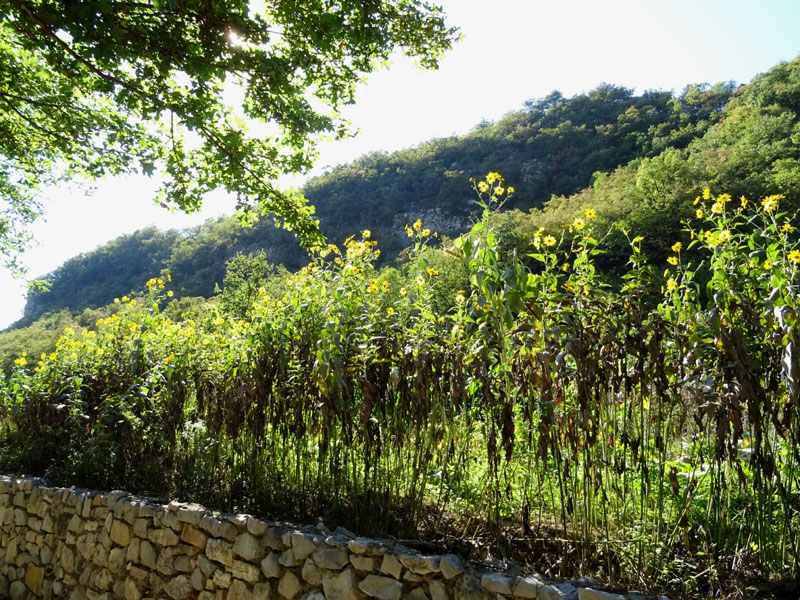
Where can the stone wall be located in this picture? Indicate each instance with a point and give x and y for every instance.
(71, 543)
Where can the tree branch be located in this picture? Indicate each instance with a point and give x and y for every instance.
(47, 30)
(32, 102)
(33, 123)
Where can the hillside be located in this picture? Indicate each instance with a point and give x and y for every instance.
(553, 146)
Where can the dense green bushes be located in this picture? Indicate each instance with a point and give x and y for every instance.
(653, 427)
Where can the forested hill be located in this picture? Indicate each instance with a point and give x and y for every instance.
(553, 146)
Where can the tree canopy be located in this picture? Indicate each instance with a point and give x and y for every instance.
(108, 87)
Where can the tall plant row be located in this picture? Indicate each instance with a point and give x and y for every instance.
(650, 424)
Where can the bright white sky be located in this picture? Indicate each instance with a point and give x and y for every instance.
(512, 50)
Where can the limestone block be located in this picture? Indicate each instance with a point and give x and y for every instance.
(91, 525)
(437, 590)
(384, 588)
(391, 566)
(248, 547)
(141, 527)
(527, 587)
(288, 559)
(165, 562)
(183, 564)
(238, 521)
(192, 535)
(131, 590)
(169, 519)
(120, 532)
(128, 512)
(302, 545)
(289, 585)
(103, 538)
(102, 580)
(220, 551)
(273, 538)
(157, 583)
(592, 594)
(333, 559)
(86, 575)
(270, 566)
(362, 563)
(137, 572)
(116, 560)
(197, 579)
(86, 508)
(187, 550)
(132, 551)
(85, 545)
(11, 552)
(34, 577)
(191, 513)
(68, 559)
(469, 588)
(178, 587)
(18, 590)
(148, 510)
(497, 583)
(206, 566)
(48, 525)
(245, 571)
(417, 594)
(239, 591)
(108, 519)
(342, 586)
(312, 574)
(100, 513)
(219, 528)
(222, 578)
(558, 591)
(256, 527)
(148, 555)
(335, 540)
(421, 565)
(113, 498)
(20, 517)
(359, 545)
(451, 566)
(163, 537)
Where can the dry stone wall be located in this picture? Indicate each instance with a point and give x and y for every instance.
(71, 543)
